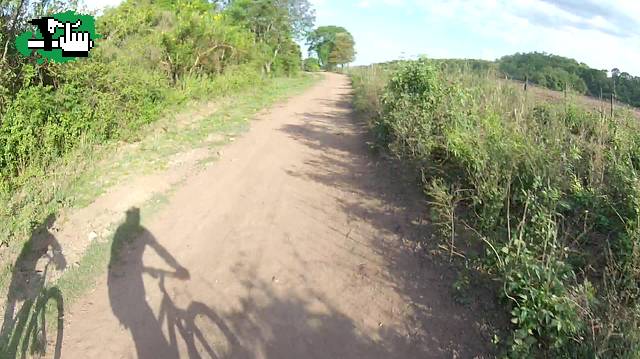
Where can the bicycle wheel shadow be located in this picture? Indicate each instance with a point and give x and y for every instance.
(130, 303)
(265, 321)
(24, 327)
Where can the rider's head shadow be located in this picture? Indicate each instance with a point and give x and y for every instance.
(125, 236)
(129, 243)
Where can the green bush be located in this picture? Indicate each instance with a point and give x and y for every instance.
(91, 101)
(289, 62)
(311, 64)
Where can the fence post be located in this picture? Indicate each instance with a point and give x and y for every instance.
(612, 99)
(565, 96)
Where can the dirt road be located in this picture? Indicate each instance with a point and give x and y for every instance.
(292, 245)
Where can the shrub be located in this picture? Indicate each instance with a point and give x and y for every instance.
(311, 64)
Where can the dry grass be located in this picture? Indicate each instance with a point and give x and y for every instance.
(541, 94)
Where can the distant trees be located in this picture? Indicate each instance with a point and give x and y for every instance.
(557, 72)
(275, 24)
(554, 72)
(333, 45)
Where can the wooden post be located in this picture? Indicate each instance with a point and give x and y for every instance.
(612, 99)
(526, 82)
(565, 96)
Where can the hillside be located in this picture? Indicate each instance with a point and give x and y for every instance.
(557, 72)
(547, 95)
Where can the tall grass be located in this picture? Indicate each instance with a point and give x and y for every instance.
(551, 191)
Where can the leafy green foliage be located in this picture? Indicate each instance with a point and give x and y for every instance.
(343, 51)
(274, 23)
(550, 190)
(333, 45)
(311, 64)
(553, 72)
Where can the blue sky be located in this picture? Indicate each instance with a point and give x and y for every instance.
(603, 34)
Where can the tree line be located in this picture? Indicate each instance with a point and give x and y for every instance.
(557, 73)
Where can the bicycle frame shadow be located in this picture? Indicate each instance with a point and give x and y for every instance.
(185, 322)
(24, 326)
(130, 305)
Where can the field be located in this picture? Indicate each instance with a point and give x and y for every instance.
(594, 104)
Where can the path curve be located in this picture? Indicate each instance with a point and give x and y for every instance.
(292, 245)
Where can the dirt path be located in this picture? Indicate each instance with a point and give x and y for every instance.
(291, 246)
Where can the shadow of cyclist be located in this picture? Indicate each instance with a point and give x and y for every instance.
(126, 287)
(28, 279)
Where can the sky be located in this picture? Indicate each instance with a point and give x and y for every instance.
(602, 34)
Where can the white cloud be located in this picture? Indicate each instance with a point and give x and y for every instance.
(575, 29)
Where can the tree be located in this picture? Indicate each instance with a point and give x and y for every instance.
(343, 51)
(615, 72)
(302, 16)
(323, 41)
(274, 23)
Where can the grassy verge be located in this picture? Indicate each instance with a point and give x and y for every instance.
(550, 191)
(90, 170)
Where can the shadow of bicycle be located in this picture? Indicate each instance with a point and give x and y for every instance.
(251, 317)
(30, 302)
(173, 330)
